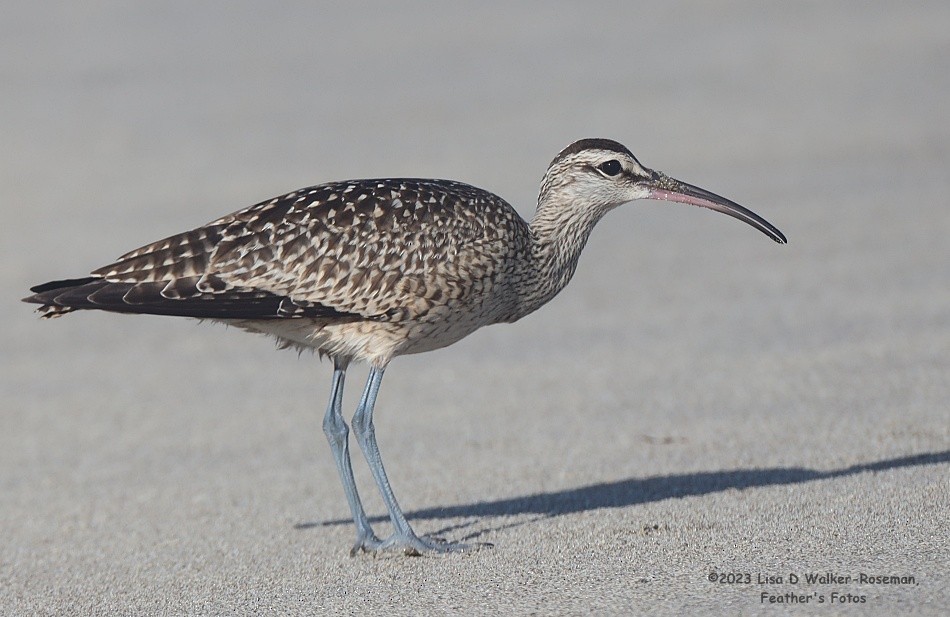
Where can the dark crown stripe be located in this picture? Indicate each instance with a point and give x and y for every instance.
(592, 144)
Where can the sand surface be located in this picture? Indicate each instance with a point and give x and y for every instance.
(699, 400)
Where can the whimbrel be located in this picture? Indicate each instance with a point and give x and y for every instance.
(367, 270)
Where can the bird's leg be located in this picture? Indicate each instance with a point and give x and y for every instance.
(334, 426)
(403, 536)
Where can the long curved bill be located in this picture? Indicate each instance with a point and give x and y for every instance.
(670, 189)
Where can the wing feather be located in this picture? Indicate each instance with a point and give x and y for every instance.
(365, 249)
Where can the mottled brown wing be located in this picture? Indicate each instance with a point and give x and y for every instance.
(365, 249)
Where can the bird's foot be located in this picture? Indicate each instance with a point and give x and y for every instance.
(411, 544)
(366, 543)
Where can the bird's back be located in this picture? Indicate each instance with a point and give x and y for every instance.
(389, 250)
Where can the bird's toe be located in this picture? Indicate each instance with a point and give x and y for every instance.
(426, 545)
(366, 543)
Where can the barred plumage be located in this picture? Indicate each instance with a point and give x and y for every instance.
(367, 270)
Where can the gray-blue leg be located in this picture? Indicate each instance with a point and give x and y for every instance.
(403, 537)
(335, 429)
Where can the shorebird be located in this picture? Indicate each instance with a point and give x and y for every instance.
(367, 270)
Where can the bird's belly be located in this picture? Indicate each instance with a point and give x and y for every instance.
(375, 342)
(427, 337)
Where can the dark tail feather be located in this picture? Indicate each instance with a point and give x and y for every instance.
(52, 285)
(184, 300)
(46, 293)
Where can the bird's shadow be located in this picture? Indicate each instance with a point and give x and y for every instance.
(633, 491)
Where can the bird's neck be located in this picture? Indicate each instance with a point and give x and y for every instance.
(558, 235)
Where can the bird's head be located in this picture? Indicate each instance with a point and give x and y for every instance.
(597, 175)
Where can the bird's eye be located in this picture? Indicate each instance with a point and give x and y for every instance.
(611, 167)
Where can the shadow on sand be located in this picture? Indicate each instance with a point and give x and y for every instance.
(645, 490)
